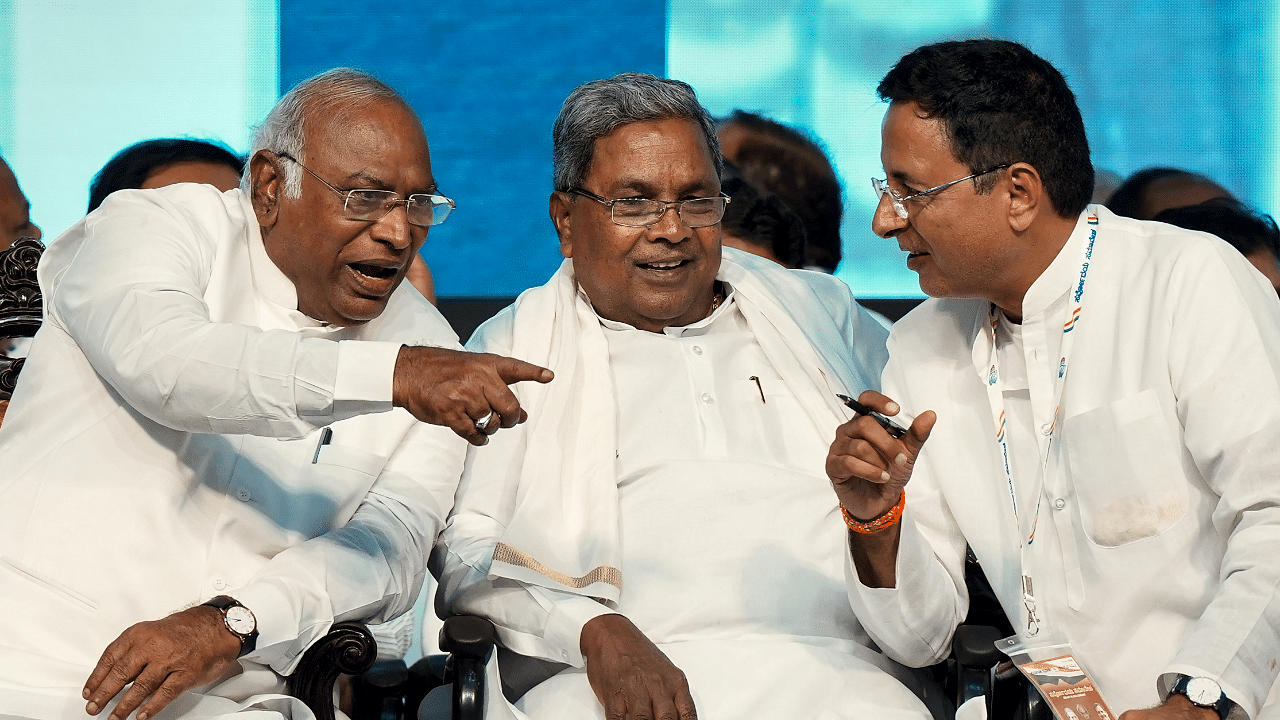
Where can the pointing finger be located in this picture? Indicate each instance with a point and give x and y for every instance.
(512, 370)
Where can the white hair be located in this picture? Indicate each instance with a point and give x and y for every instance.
(330, 97)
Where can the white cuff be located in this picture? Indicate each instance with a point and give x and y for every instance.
(366, 372)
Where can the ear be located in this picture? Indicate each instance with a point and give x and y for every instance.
(561, 206)
(1026, 196)
(266, 185)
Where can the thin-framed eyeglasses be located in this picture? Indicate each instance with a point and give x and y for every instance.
(643, 212)
(422, 209)
(882, 188)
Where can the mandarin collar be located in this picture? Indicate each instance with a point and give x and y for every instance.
(1062, 274)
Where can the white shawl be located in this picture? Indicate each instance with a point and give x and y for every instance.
(564, 532)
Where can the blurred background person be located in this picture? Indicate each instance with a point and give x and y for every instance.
(15, 222)
(780, 160)
(166, 161)
(760, 223)
(15, 210)
(1146, 193)
(1254, 234)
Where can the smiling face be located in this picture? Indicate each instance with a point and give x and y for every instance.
(652, 277)
(959, 242)
(345, 270)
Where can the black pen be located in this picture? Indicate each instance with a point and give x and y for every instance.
(890, 426)
(326, 435)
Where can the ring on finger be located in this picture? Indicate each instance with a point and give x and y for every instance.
(485, 423)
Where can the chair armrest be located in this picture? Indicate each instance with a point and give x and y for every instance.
(469, 640)
(348, 648)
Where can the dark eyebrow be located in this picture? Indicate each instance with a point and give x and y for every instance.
(904, 178)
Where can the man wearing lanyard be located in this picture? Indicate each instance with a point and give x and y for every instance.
(1100, 399)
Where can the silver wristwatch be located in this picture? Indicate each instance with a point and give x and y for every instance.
(1203, 692)
(239, 620)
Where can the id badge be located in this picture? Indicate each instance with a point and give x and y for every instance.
(1054, 671)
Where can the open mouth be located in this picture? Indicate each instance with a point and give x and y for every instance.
(668, 265)
(376, 272)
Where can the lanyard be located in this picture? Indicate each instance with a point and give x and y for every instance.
(995, 394)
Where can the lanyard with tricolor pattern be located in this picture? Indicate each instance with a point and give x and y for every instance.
(995, 393)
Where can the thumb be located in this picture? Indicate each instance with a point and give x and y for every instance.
(512, 370)
(918, 433)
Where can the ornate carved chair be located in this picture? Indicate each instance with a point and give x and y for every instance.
(21, 305)
(389, 690)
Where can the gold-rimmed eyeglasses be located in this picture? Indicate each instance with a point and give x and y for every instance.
(370, 205)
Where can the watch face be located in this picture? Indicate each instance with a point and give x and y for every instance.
(240, 620)
(1203, 691)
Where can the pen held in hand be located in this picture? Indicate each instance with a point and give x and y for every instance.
(890, 426)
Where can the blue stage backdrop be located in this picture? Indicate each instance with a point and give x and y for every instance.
(488, 79)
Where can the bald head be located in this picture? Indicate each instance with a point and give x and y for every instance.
(319, 103)
(15, 211)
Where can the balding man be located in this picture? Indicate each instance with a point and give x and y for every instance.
(209, 460)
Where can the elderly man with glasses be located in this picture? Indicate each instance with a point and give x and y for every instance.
(215, 452)
(662, 527)
(1107, 396)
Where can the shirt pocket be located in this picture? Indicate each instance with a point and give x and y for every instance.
(1125, 464)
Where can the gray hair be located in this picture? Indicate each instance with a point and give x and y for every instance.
(597, 108)
(331, 97)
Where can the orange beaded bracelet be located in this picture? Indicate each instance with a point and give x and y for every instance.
(884, 522)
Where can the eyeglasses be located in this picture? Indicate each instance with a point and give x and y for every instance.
(362, 204)
(643, 212)
(882, 188)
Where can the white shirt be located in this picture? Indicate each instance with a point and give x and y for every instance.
(1157, 535)
(730, 532)
(164, 447)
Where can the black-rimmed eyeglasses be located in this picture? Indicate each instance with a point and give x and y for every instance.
(370, 205)
(882, 188)
(643, 212)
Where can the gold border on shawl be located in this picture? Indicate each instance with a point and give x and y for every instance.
(511, 556)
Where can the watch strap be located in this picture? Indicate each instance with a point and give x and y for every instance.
(1222, 705)
(225, 602)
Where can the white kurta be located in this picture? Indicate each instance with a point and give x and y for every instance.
(163, 447)
(1157, 541)
(731, 538)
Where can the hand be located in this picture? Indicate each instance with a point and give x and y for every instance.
(459, 389)
(1177, 707)
(867, 466)
(631, 676)
(162, 658)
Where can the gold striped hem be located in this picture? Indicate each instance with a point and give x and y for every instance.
(511, 556)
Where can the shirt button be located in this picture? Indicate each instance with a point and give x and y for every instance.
(1059, 503)
(219, 584)
(697, 349)
(706, 398)
(1046, 428)
(243, 494)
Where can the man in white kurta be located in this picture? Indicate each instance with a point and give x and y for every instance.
(1130, 371)
(184, 430)
(672, 474)
(1170, 427)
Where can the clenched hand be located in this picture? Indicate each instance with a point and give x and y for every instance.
(458, 389)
